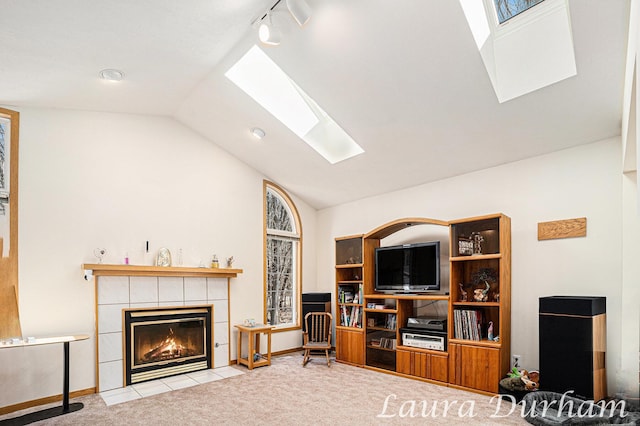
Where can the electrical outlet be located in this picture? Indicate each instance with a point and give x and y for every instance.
(516, 361)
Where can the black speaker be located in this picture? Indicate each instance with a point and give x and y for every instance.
(315, 302)
(573, 345)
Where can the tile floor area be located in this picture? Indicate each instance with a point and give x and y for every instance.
(167, 384)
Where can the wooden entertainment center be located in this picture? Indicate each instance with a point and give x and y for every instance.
(369, 322)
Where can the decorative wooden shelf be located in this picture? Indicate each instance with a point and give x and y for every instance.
(483, 342)
(384, 311)
(346, 327)
(476, 257)
(477, 304)
(349, 265)
(103, 270)
(407, 296)
(379, 348)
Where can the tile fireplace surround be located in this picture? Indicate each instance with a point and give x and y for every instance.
(114, 293)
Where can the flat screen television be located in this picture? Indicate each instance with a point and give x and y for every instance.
(409, 268)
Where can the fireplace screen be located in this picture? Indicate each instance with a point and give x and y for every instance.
(164, 342)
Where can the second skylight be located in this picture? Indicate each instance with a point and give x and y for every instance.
(262, 79)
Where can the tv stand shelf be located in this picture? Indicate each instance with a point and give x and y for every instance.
(407, 296)
(368, 332)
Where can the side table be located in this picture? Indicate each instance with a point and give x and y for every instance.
(253, 338)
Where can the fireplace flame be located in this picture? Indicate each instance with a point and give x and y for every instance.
(170, 348)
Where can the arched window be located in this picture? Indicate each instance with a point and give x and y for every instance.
(283, 259)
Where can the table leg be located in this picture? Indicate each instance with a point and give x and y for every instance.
(239, 356)
(250, 338)
(269, 347)
(65, 388)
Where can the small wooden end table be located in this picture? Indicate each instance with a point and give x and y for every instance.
(253, 337)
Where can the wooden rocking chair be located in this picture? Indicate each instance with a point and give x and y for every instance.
(317, 334)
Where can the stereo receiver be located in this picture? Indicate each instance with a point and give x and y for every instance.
(424, 339)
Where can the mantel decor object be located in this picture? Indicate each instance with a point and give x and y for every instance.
(164, 257)
(99, 253)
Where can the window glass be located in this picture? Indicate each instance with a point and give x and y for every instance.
(282, 259)
(507, 9)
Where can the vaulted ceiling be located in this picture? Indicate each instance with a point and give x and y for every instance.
(404, 78)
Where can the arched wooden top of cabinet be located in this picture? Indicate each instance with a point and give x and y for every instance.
(400, 224)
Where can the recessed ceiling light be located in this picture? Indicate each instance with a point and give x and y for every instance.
(258, 132)
(111, 74)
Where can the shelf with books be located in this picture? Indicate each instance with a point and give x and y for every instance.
(350, 293)
(476, 324)
(351, 316)
(381, 320)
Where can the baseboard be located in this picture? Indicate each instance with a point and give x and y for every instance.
(42, 401)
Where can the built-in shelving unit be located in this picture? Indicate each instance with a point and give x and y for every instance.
(349, 299)
(480, 308)
(479, 296)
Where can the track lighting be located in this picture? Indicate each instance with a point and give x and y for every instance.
(267, 33)
(300, 11)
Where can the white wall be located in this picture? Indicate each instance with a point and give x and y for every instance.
(628, 380)
(114, 181)
(583, 181)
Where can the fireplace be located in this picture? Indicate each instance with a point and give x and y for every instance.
(161, 342)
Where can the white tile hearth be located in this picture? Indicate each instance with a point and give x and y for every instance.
(167, 384)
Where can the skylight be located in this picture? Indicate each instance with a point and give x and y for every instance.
(533, 51)
(262, 79)
(507, 9)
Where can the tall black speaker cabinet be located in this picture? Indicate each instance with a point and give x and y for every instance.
(315, 302)
(573, 345)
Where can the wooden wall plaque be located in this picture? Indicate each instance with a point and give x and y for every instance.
(568, 228)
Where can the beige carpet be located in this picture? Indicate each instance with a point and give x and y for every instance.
(285, 393)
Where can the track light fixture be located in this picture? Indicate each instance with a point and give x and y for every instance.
(267, 33)
(300, 11)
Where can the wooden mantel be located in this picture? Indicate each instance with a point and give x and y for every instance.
(100, 269)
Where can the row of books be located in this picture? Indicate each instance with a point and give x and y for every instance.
(383, 342)
(389, 321)
(468, 324)
(349, 295)
(351, 316)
